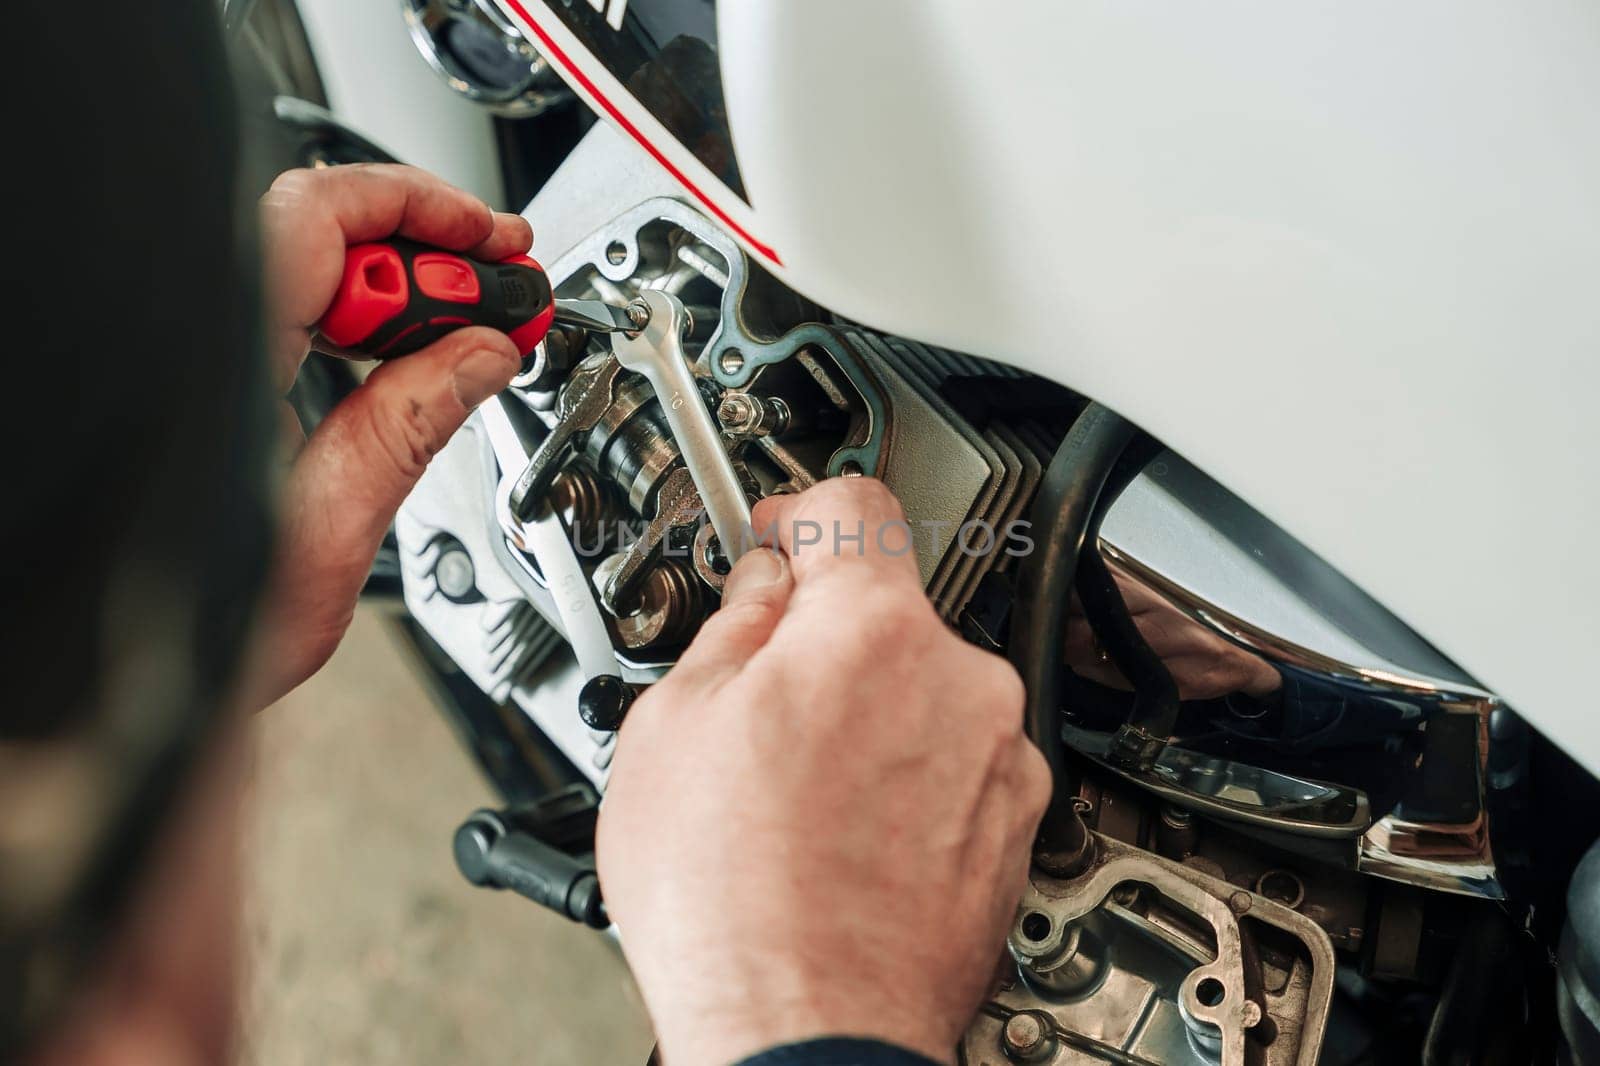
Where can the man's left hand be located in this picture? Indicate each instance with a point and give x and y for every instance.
(361, 462)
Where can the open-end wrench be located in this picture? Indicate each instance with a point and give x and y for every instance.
(583, 401)
(656, 351)
(546, 536)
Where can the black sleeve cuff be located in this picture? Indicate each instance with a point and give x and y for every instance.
(838, 1051)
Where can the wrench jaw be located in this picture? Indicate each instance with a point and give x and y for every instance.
(546, 538)
(645, 598)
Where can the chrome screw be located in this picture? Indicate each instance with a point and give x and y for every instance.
(744, 415)
(455, 575)
(1028, 1037)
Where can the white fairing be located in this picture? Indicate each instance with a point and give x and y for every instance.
(1343, 256)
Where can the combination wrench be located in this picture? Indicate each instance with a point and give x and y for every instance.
(656, 352)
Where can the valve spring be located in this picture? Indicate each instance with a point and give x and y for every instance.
(581, 499)
(671, 606)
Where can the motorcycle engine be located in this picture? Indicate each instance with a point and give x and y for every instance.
(1314, 839)
(797, 396)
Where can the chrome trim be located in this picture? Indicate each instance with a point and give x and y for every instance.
(537, 91)
(1274, 647)
(1448, 857)
(1233, 791)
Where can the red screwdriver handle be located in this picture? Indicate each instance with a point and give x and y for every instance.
(397, 296)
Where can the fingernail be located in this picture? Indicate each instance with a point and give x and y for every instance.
(481, 375)
(756, 570)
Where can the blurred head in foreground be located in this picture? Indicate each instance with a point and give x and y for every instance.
(135, 526)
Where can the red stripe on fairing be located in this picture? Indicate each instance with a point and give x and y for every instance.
(554, 52)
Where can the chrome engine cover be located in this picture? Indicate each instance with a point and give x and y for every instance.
(1138, 959)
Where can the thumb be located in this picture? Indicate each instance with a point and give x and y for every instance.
(366, 456)
(350, 479)
(754, 599)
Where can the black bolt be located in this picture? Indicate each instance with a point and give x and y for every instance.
(604, 701)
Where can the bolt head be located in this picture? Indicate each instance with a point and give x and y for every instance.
(737, 412)
(604, 701)
(455, 575)
(1027, 1036)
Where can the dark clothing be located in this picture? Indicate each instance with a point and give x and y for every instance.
(137, 432)
(838, 1051)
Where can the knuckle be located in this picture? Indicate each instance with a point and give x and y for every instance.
(735, 618)
(292, 186)
(850, 494)
(406, 435)
(997, 697)
(996, 685)
(871, 490)
(1005, 685)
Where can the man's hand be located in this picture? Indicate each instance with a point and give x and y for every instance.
(819, 822)
(362, 461)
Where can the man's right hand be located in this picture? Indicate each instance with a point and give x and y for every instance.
(819, 823)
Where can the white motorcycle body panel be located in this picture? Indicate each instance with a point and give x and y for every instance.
(374, 82)
(1345, 257)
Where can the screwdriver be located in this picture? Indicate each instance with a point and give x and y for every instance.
(398, 296)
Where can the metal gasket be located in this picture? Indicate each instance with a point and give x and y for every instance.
(613, 252)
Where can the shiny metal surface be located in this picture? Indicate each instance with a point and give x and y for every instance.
(1237, 792)
(1190, 533)
(480, 55)
(657, 352)
(1364, 697)
(746, 337)
(678, 506)
(595, 316)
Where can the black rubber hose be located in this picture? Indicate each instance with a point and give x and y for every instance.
(1155, 693)
(1062, 515)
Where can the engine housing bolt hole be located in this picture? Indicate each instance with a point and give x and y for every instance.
(1210, 992)
(1281, 886)
(616, 253)
(1036, 926)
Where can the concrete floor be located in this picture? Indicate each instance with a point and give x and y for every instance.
(365, 946)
